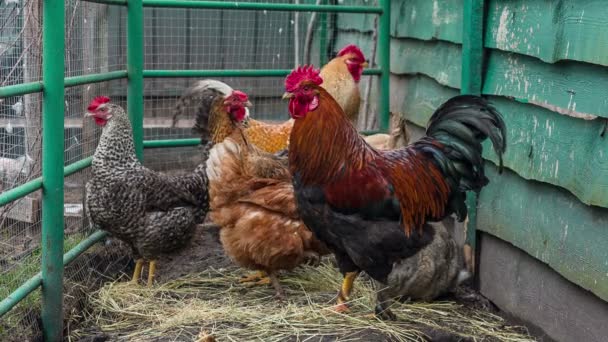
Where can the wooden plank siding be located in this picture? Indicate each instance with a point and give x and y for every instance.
(546, 71)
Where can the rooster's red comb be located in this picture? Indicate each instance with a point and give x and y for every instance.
(300, 74)
(352, 48)
(239, 95)
(99, 100)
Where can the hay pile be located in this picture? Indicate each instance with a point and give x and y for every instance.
(215, 303)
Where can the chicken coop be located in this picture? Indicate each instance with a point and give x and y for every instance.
(538, 230)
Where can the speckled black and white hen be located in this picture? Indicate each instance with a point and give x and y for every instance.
(152, 212)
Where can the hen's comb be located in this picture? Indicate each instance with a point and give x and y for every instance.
(99, 100)
(239, 95)
(352, 48)
(300, 74)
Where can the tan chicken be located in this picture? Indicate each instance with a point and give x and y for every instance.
(341, 78)
(252, 199)
(397, 137)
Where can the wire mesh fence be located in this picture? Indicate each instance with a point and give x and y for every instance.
(175, 39)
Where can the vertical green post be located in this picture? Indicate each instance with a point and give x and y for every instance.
(53, 45)
(135, 68)
(384, 58)
(322, 36)
(472, 67)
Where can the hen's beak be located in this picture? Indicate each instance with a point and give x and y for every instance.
(364, 65)
(248, 104)
(88, 114)
(287, 95)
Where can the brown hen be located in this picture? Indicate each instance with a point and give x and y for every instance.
(252, 199)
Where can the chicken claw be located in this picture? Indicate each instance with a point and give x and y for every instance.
(312, 258)
(256, 278)
(137, 272)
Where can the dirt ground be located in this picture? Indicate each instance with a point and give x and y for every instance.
(206, 253)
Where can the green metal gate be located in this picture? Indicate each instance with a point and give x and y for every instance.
(53, 85)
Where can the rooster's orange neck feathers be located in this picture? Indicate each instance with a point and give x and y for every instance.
(342, 149)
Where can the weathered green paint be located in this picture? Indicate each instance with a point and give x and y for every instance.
(548, 30)
(440, 60)
(549, 224)
(569, 88)
(53, 40)
(555, 149)
(576, 89)
(421, 19)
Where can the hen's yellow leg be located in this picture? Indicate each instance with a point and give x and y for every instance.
(151, 271)
(259, 277)
(345, 291)
(137, 272)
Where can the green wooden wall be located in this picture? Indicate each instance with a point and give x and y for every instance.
(547, 72)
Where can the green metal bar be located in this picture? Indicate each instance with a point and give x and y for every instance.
(53, 97)
(20, 89)
(83, 245)
(235, 5)
(135, 69)
(21, 191)
(230, 73)
(32, 284)
(109, 2)
(384, 57)
(77, 166)
(323, 37)
(172, 143)
(94, 78)
(472, 68)
(20, 293)
(34, 87)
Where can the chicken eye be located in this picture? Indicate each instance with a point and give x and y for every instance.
(306, 88)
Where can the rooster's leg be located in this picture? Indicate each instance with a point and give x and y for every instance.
(280, 294)
(137, 272)
(259, 277)
(345, 291)
(151, 271)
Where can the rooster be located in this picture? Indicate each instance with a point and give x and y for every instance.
(372, 208)
(152, 212)
(252, 199)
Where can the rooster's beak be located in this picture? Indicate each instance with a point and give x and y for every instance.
(287, 95)
(364, 65)
(248, 104)
(88, 114)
